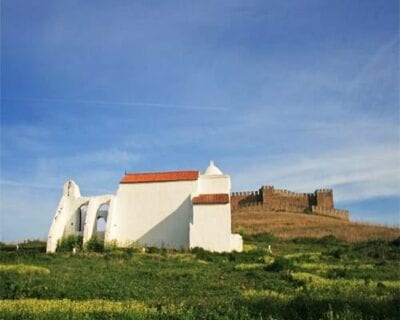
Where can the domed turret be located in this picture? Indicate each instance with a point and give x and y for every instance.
(212, 170)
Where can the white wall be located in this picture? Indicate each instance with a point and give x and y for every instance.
(214, 184)
(211, 227)
(153, 214)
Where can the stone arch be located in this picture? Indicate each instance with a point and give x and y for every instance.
(98, 207)
(75, 220)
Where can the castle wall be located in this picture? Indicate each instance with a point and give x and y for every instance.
(271, 199)
(335, 213)
(239, 199)
(285, 200)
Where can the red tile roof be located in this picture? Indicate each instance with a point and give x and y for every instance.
(213, 198)
(160, 176)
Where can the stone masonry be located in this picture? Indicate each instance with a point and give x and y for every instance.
(271, 199)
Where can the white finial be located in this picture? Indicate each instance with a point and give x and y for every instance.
(212, 169)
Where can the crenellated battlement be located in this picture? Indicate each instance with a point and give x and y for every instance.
(336, 213)
(245, 193)
(271, 199)
(240, 199)
(323, 190)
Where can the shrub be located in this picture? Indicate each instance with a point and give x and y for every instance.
(335, 273)
(336, 253)
(70, 242)
(155, 250)
(279, 264)
(326, 240)
(95, 245)
(8, 247)
(379, 249)
(205, 255)
(396, 242)
(241, 230)
(33, 246)
(111, 246)
(261, 237)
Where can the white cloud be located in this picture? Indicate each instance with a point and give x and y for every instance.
(353, 173)
(112, 156)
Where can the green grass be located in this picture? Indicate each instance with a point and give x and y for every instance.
(301, 279)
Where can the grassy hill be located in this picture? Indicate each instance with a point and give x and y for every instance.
(299, 279)
(287, 225)
(283, 273)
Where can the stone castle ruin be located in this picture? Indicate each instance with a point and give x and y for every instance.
(267, 198)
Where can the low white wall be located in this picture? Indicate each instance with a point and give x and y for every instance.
(211, 227)
(236, 243)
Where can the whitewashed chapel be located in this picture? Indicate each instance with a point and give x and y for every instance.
(180, 210)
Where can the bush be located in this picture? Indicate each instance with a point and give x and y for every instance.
(8, 247)
(33, 246)
(67, 244)
(241, 230)
(280, 264)
(267, 237)
(396, 242)
(111, 246)
(205, 255)
(336, 273)
(336, 253)
(326, 240)
(95, 244)
(379, 249)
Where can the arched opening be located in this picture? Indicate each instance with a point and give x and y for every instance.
(101, 221)
(101, 224)
(80, 218)
(76, 222)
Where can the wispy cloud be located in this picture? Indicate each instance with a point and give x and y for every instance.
(22, 184)
(121, 103)
(112, 156)
(375, 65)
(355, 174)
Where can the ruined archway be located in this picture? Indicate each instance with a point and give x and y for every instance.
(76, 222)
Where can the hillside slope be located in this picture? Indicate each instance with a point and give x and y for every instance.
(286, 225)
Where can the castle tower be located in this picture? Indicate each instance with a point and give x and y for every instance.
(324, 198)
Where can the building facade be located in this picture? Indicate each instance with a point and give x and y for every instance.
(179, 210)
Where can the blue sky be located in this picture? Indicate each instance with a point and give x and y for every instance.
(296, 94)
